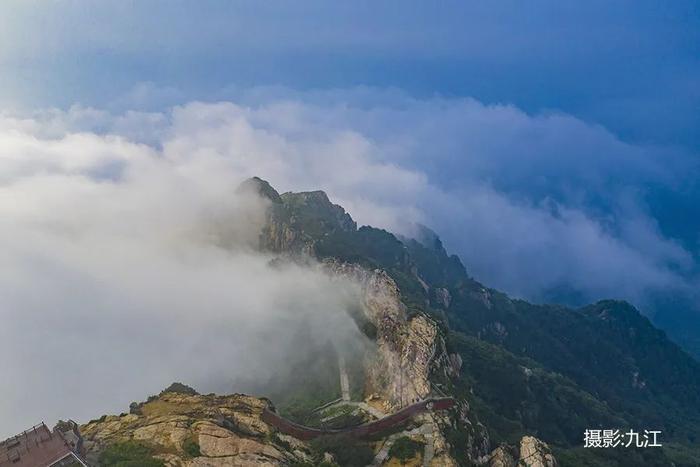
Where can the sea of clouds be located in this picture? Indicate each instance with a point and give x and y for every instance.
(127, 257)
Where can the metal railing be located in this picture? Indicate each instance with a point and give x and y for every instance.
(16, 446)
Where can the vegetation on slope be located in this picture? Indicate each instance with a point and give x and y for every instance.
(528, 369)
(129, 454)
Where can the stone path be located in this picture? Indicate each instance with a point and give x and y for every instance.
(361, 431)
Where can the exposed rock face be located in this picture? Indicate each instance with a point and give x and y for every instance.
(455, 364)
(261, 188)
(296, 220)
(484, 296)
(400, 369)
(218, 442)
(503, 456)
(318, 203)
(227, 430)
(410, 351)
(71, 433)
(535, 453)
(532, 453)
(443, 297)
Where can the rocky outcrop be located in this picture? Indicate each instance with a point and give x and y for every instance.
(398, 372)
(410, 354)
(503, 456)
(226, 430)
(321, 208)
(531, 453)
(261, 188)
(443, 297)
(295, 221)
(535, 453)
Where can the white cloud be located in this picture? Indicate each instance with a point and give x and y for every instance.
(114, 286)
(109, 226)
(457, 165)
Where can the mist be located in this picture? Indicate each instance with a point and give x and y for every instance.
(123, 269)
(127, 257)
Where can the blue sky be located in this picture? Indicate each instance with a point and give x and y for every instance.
(579, 119)
(631, 66)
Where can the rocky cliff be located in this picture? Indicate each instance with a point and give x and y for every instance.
(531, 453)
(410, 361)
(408, 350)
(194, 431)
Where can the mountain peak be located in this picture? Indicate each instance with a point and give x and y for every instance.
(259, 187)
(316, 206)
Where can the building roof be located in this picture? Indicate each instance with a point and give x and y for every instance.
(35, 447)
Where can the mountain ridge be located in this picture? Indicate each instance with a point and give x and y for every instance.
(527, 379)
(609, 350)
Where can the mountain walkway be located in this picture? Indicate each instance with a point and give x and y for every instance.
(362, 431)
